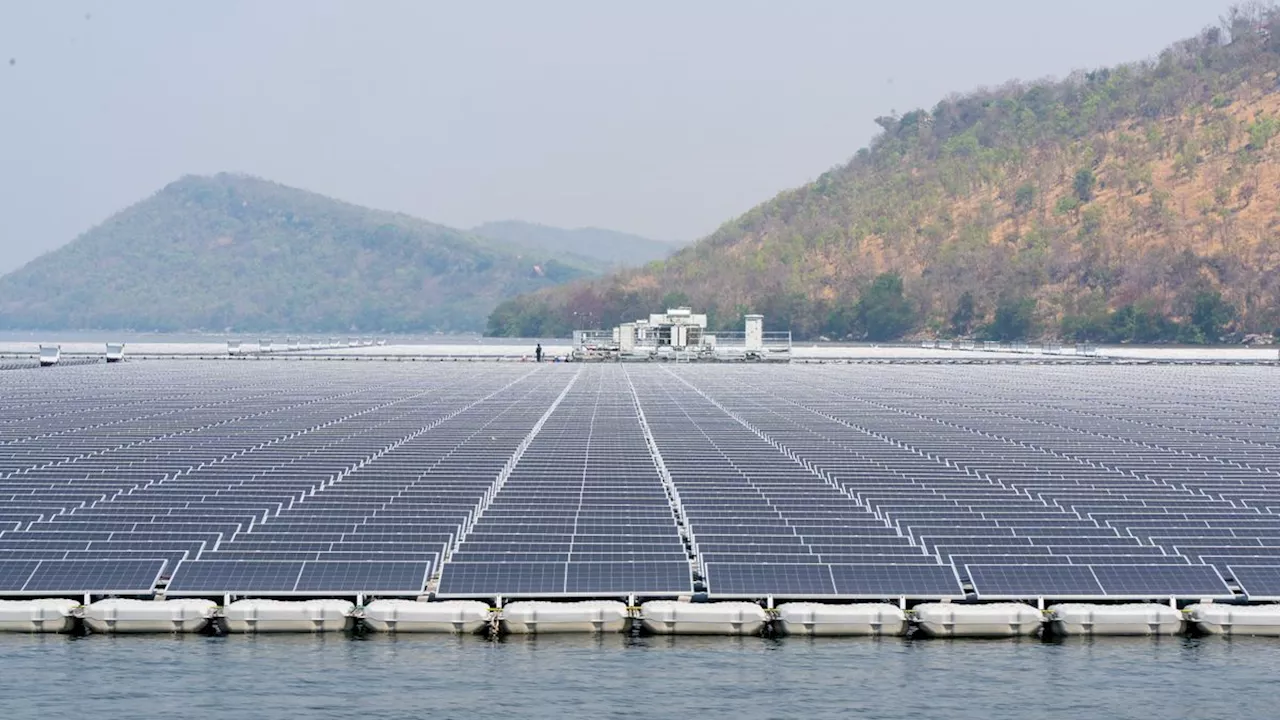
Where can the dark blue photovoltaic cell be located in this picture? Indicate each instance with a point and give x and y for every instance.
(266, 577)
(1258, 581)
(1161, 580)
(14, 574)
(831, 579)
(509, 557)
(234, 576)
(894, 580)
(626, 577)
(95, 576)
(486, 579)
(1028, 581)
(364, 577)
(170, 558)
(757, 579)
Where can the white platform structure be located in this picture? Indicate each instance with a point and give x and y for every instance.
(681, 335)
(50, 355)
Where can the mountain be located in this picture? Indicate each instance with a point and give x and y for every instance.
(607, 249)
(232, 251)
(1134, 203)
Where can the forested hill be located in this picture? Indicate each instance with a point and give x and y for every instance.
(608, 249)
(231, 251)
(1133, 203)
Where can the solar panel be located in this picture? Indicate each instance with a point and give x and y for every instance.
(1257, 581)
(896, 580)
(236, 577)
(399, 578)
(113, 577)
(171, 558)
(267, 577)
(679, 557)
(14, 574)
(488, 579)
(757, 579)
(1029, 581)
(1161, 580)
(624, 578)
(463, 556)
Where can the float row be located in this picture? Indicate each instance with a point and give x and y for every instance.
(267, 345)
(660, 617)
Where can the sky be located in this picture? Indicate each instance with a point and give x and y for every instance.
(665, 118)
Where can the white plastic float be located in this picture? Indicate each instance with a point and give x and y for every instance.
(1235, 620)
(820, 620)
(411, 616)
(668, 617)
(533, 618)
(948, 620)
(37, 616)
(119, 615)
(251, 616)
(1096, 620)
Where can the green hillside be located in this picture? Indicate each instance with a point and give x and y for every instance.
(237, 252)
(605, 249)
(1134, 203)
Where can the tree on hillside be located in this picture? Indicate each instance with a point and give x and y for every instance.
(675, 299)
(1084, 184)
(1210, 315)
(1015, 319)
(843, 321)
(1068, 205)
(1261, 131)
(1139, 323)
(883, 311)
(1024, 198)
(962, 318)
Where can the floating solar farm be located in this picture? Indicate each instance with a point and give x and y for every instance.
(212, 479)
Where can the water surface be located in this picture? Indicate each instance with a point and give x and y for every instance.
(276, 677)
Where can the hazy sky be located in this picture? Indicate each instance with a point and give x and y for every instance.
(661, 117)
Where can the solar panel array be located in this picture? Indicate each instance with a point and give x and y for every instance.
(36, 577)
(583, 512)
(512, 479)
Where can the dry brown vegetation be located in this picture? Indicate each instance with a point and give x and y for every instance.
(1144, 188)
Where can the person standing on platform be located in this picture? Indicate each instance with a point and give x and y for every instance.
(537, 353)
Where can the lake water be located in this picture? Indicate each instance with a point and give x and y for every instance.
(276, 677)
